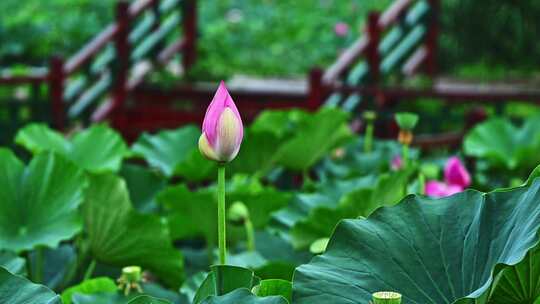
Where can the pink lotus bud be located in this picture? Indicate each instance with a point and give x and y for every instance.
(439, 189)
(222, 129)
(396, 163)
(456, 174)
(341, 29)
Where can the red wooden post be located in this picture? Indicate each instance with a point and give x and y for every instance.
(56, 91)
(432, 37)
(475, 116)
(316, 88)
(189, 24)
(372, 51)
(121, 74)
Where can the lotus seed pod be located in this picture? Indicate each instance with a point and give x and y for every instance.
(406, 121)
(386, 297)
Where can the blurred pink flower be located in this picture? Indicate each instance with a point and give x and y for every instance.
(440, 189)
(396, 163)
(341, 29)
(455, 173)
(456, 179)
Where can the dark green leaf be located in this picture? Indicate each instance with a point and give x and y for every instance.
(520, 283)
(39, 203)
(15, 289)
(91, 286)
(12, 263)
(505, 145)
(143, 185)
(274, 287)
(173, 151)
(96, 149)
(320, 223)
(429, 250)
(324, 131)
(224, 279)
(118, 235)
(148, 300)
(244, 296)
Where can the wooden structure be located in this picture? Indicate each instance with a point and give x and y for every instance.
(105, 79)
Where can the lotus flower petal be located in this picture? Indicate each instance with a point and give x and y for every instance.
(455, 173)
(222, 129)
(396, 163)
(439, 189)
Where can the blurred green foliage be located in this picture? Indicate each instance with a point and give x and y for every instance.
(32, 30)
(490, 38)
(275, 37)
(486, 39)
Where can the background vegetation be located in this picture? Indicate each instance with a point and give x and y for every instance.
(486, 38)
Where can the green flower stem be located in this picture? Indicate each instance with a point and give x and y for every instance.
(250, 235)
(422, 183)
(222, 236)
(90, 270)
(40, 260)
(405, 155)
(368, 137)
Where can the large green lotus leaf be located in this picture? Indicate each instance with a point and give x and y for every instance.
(223, 279)
(172, 151)
(274, 257)
(148, 300)
(281, 123)
(328, 194)
(190, 213)
(119, 235)
(99, 298)
(96, 149)
(190, 286)
(244, 296)
(518, 284)
(12, 263)
(256, 154)
(39, 137)
(504, 144)
(320, 222)
(38, 205)
(260, 200)
(57, 263)
(430, 250)
(91, 286)
(194, 213)
(324, 131)
(101, 292)
(15, 289)
(143, 185)
(196, 167)
(274, 287)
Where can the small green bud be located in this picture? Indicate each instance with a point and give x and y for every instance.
(369, 115)
(406, 121)
(238, 212)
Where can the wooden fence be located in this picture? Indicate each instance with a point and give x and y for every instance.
(105, 79)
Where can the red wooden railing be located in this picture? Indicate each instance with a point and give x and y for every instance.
(75, 85)
(100, 77)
